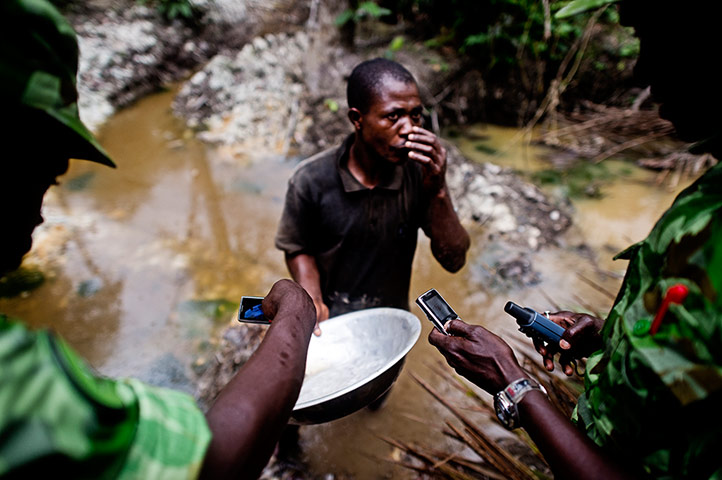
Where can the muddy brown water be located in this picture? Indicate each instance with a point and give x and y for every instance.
(136, 257)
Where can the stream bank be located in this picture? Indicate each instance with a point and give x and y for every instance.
(501, 208)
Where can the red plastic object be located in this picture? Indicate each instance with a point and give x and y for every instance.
(675, 294)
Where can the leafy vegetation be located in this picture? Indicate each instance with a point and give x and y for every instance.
(363, 11)
(520, 46)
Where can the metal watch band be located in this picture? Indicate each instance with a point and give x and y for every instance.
(505, 402)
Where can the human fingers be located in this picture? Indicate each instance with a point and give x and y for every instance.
(286, 294)
(321, 315)
(565, 319)
(459, 328)
(546, 353)
(425, 146)
(420, 152)
(567, 362)
(584, 323)
(438, 339)
(321, 311)
(583, 336)
(423, 135)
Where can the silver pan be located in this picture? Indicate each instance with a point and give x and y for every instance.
(356, 359)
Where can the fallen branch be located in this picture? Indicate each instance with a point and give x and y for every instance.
(500, 458)
(596, 286)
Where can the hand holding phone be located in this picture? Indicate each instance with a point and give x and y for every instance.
(436, 309)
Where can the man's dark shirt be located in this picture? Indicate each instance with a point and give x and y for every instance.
(363, 239)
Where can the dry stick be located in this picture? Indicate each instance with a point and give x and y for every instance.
(475, 466)
(627, 145)
(484, 451)
(644, 95)
(421, 469)
(443, 461)
(550, 383)
(416, 418)
(445, 469)
(430, 424)
(407, 465)
(494, 448)
(484, 408)
(596, 286)
(464, 388)
(587, 306)
(469, 465)
(551, 301)
(559, 84)
(578, 127)
(459, 384)
(507, 465)
(547, 20)
(521, 468)
(561, 396)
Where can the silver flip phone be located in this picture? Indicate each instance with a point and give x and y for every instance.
(436, 309)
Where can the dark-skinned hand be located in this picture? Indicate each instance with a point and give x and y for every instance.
(478, 355)
(426, 149)
(580, 339)
(288, 295)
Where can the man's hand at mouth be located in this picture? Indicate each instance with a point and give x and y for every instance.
(425, 148)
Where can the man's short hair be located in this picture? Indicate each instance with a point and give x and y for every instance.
(366, 79)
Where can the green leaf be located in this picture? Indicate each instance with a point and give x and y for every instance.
(371, 9)
(331, 104)
(478, 39)
(396, 44)
(344, 17)
(578, 6)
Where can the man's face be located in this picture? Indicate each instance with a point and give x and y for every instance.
(23, 183)
(384, 129)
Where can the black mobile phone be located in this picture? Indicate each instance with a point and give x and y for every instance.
(250, 311)
(436, 309)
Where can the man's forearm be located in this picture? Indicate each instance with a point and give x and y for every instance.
(304, 270)
(251, 411)
(569, 453)
(449, 239)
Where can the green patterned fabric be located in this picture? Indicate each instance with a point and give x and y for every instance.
(58, 416)
(657, 399)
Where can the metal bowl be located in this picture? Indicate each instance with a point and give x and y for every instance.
(355, 360)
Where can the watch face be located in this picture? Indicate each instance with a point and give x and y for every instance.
(502, 410)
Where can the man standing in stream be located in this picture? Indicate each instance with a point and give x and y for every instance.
(350, 222)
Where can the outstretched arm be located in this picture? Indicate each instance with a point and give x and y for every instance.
(249, 414)
(486, 360)
(304, 270)
(449, 239)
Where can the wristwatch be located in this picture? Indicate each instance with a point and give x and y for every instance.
(505, 402)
